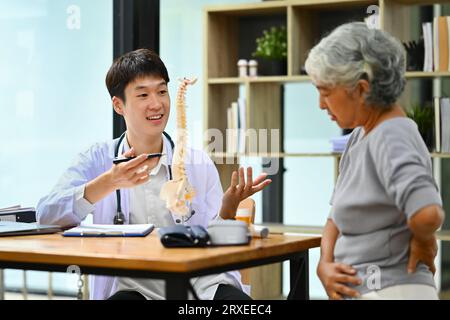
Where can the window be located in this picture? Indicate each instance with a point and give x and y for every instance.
(54, 59)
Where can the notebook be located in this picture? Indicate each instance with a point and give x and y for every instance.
(9, 228)
(110, 230)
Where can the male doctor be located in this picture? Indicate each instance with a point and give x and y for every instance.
(137, 83)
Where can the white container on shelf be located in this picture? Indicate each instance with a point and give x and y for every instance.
(253, 68)
(242, 67)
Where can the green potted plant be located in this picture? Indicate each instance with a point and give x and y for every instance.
(424, 117)
(271, 48)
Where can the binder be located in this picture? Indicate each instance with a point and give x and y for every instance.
(18, 214)
(110, 230)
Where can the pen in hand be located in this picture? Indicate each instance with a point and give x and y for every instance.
(149, 156)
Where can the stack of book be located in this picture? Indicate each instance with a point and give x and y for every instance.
(436, 37)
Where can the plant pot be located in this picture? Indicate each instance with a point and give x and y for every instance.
(273, 67)
(278, 67)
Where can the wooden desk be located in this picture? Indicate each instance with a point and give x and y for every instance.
(147, 258)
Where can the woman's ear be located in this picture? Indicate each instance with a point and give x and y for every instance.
(363, 89)
(118, 105)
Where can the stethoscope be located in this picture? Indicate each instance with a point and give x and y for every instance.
(120, 217)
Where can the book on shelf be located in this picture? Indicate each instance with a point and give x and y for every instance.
(242, 124)
(435, 44)
(437, 123)
(445, 124)
(236, 127)
(436, 37)
(228, 146)
(232, 128)
(442, 124)
(428, 45)
(448, 42)
(442, 43)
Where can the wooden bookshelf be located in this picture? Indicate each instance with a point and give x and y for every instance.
(420, 2)
(440, 155)
(260, 79)
(421, 74)
(276, 155)
(305, 78)
(300, 155)
(230, 32)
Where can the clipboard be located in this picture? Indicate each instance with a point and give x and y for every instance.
(110, 230)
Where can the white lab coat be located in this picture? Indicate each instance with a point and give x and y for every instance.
(58, 206)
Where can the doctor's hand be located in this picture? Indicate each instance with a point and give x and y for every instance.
(335, 278)
(132, 173)
(123, 175)
(240, 190)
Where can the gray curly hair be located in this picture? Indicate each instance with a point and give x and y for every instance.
(353, 52)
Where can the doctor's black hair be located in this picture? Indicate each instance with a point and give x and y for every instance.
(131, 66)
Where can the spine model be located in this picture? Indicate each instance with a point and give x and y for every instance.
(178, 192)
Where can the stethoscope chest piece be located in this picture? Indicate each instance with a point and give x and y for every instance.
(119, 218)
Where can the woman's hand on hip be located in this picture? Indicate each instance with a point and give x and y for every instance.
(424, 251)
(336, 277)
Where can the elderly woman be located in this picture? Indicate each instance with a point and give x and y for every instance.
(379, 240)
